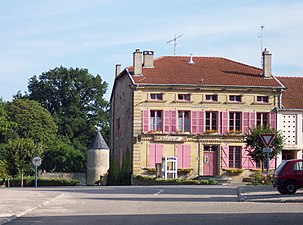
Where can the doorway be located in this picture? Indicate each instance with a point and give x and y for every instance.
(210, 159)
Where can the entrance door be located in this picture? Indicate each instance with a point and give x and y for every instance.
(210, 160)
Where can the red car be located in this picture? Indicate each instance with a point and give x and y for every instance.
(288, 177)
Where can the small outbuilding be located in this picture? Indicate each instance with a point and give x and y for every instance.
(97, 159)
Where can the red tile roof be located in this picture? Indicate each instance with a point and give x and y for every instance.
(205, 71)
(292, 97)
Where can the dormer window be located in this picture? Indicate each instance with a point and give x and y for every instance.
(235, 98)
(262, 99)
(211, 98)
(156, 96)
(183, 97)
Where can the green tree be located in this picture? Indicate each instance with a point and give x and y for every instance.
(3, 169)
(5, 124)
(31, 121)
(255, 145)
(18, 154)
(63, 158)
(75, 98)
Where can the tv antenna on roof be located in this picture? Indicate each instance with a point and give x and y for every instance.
(174, 40)
(261, 41)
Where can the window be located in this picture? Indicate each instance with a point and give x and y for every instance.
(211, 121)
(184, 97)
(298, 166)
(155, 120)
(234, 121)
(262, 99)
(234, 157)
(262, 119)
(211, 98)
(156, 96)
(235, 98)
(183, 120)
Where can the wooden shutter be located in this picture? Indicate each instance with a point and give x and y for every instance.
(272, 119)
(225, 157)
(245, 122)
(145, 120)
(252, 119)
(194, 122)
(201, 127)
(225, 121)
(167, 121)
(180, 156)
(159, 153)
(186, 156)
(247, 162)
(272, 164)
(219, 122)
(173, 121)
(152, 156)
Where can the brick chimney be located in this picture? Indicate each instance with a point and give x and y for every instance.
(148, 59)
(137, 62)
(266, 64)
(118, 69)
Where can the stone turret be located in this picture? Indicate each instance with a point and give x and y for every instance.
(97, 159)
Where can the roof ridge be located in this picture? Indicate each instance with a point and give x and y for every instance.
(240, 63)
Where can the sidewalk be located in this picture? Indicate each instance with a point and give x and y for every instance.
(15, 202)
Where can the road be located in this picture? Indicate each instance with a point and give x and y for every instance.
(191, 204)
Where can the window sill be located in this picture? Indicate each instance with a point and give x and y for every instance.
(155, 100)
(207, 102)
(182, 101)
(235, 103)
(261, 103)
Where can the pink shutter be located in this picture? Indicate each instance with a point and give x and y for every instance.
(180, 156)
(167, 121)
(252, 121)
(246, 160)
(272, 119)
(186, 156)
(145, 120)
(159, 153)
(219, 122)
(245, 122)
(152, 156)
(173, 121)
(225, 123)
(225, 157)
(272, 164)
(201, 122)
(194, 122)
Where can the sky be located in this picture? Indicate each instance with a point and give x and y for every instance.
(37, 36)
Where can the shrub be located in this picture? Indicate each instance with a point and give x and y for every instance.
(259, 178)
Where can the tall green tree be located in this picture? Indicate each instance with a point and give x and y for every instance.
(255, 145)
(31, 121)
(75, 98)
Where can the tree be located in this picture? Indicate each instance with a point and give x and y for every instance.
(255, 145)
(3, 170)
(63, 158)
(75, 99)
(18, 154)
(31, 121)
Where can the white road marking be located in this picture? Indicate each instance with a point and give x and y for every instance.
(159, 192)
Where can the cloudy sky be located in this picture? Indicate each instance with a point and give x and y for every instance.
(36, 36)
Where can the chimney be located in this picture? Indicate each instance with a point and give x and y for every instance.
(137, 62)
(266, 64)
(118, 69)
(148, 59)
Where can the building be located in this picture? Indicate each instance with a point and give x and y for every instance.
(194, 108)
(290, 118)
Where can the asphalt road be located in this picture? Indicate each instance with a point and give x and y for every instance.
(131, 205)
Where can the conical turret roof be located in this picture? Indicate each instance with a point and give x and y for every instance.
(98, 142)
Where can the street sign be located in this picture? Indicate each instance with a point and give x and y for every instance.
(267, 149)
(267, 138)
(37, 161)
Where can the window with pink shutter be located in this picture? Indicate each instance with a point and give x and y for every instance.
(145, 120)
(245, 122)
(272, 118)
(167, 121)
(173, 121)
(201, 127)
(194, 122)
(183, 156)
(247, 162)
(225, 122)
(225, 157)
(234, 157)
(252, 119)
(155, 155)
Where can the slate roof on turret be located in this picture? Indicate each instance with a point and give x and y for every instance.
(205, 71)
(98, 142)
